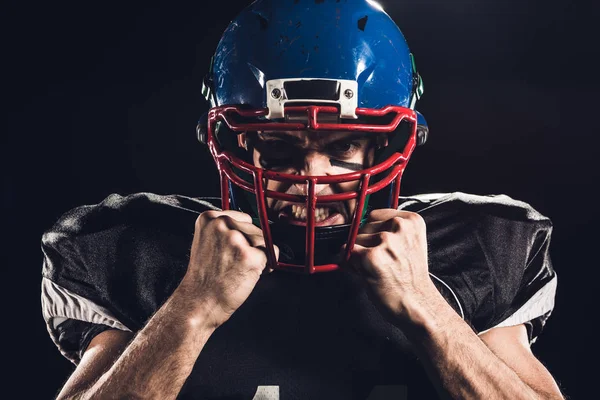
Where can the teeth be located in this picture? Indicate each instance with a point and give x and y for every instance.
(299, 212)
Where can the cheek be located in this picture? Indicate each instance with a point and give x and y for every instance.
(349, 187)
(366, 158)
(275, 186)
(255, 158)
(370, 157)
(269, 185)
(351, 206)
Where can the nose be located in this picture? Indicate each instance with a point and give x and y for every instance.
(314, 164)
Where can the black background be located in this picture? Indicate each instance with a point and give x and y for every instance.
(104, 97)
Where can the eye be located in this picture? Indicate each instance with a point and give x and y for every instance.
(274, 148)
(275, 145)
(274, 153)
(343, 148)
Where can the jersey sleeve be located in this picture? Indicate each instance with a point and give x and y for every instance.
(524, 281)
(111, 265)
(74, 336)
(73, 320)
(490, 257)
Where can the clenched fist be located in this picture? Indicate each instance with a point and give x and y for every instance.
(391, 255)
(227, 258)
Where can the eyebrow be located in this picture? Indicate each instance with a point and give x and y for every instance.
(280, 135)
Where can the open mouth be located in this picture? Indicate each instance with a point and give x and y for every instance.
(295, 214)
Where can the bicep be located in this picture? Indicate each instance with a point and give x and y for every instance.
(511, 345)
(99, 356)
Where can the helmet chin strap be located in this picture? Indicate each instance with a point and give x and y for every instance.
(291, 240)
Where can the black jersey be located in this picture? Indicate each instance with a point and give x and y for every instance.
(113, 264)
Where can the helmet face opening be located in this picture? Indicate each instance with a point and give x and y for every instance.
(308, 247)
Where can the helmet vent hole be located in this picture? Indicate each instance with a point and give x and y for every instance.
(362, 23)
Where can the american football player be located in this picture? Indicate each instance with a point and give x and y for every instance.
(310, 277)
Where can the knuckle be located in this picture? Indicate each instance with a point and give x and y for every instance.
(205, 217)
(199, 222)
(210, 214)
(414, 217)
(418, 220)
(396, 224)
(221, 224)
(258, 241)
(253, 258)
(386, 237)
(236, 239)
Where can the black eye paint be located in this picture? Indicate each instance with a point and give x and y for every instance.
(346, 165)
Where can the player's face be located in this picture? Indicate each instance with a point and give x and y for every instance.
(313, 153)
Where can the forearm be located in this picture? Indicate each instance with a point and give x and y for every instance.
(457, 361)
(161, 356)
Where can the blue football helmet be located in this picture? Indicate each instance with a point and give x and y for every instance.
(299, 65)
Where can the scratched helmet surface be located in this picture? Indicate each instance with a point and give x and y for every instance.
(311, 66)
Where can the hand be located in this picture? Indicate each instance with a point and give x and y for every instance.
(227, 258)
(391, 255)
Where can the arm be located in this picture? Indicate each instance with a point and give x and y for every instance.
(224, 268)
(391, 255)
(100, 354)
(154, 365)
(497, 364)
(511, 345)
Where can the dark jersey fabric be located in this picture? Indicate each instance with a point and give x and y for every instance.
(311, 337)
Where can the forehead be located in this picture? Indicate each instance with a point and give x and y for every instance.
(307, 137)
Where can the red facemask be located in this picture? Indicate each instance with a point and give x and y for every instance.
(385, 173)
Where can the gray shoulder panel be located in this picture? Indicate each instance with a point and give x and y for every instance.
(60, 304)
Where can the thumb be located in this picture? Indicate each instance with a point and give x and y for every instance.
(353, 264)
(269, 268)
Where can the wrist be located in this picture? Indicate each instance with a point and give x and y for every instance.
(198, 311)
(427, 315)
